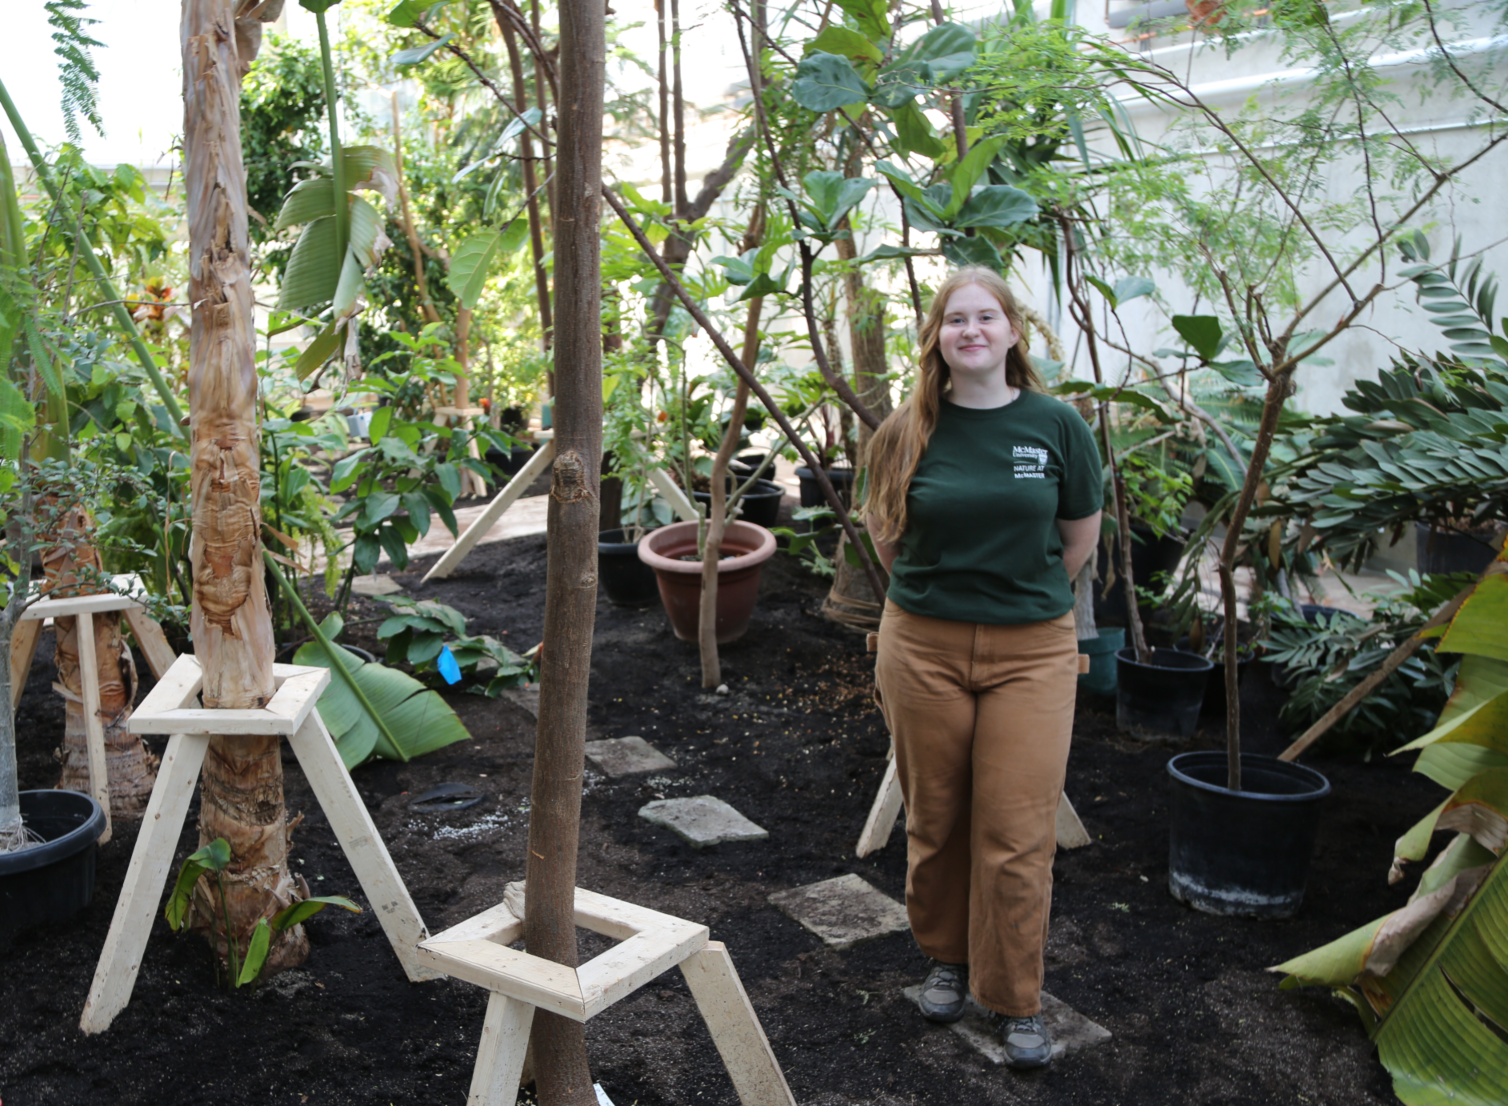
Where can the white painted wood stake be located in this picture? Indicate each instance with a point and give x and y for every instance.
(735, 1028)
(145, 878)
(679, 501)
(883, 812)
(336, 794)
(887, 808)
(173, 702)
(476, 950)
(494, 511)
(94, 728)
(500, 1057)
(23, 647)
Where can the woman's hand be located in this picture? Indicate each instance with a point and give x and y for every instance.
(886, 550)
(1079, 536)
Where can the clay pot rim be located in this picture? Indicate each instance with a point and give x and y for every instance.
(660, 563)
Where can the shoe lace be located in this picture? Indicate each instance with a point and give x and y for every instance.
(1032, 1025)
(945, 975)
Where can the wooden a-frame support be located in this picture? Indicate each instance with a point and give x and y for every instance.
(515, 488)
(651, 944)
(127, 598)
(886, 808)
(171, 708)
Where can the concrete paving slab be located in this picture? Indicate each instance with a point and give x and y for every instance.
(378, 584)
(627, 756)
(843, 911)
(525, 697)
(702, 820)
(1071, 1031)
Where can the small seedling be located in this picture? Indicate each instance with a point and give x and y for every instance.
(215, 857)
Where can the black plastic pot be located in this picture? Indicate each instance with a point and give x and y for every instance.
(1451, 551)
(53, 881)
(1242, 852)
(811, 491)
(508, 462)
(1163, 697)
(761, 505)
(1150, 555)
(1214, 690)
(286, 653)
(752, 461)
(627, 580)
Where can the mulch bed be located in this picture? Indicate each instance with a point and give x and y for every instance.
(799, 747)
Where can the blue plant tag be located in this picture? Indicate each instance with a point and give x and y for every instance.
(446, 663)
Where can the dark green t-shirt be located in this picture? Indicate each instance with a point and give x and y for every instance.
(980, 542)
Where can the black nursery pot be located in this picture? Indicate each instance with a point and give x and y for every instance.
(53, 881)
(509, 462)
(761, 504)
(1450, 551)
(1242, 852)
(628, 581)
(811, 491)
(1164, 696)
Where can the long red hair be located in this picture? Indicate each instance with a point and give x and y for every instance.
(901, 440)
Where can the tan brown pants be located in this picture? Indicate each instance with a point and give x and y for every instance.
(981, 717)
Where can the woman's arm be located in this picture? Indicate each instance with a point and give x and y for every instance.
(1078, 536)
(885, 549)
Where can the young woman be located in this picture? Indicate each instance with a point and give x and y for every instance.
(984, 502)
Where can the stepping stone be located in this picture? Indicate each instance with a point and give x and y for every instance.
(1071, 1031)
(525, 697)
(843, 911)
(627, 756)
(702, 820)
(380, 584)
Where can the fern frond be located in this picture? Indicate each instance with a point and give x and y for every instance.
(76, 70)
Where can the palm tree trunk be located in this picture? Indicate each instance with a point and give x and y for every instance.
(132, 770)
(231, 620)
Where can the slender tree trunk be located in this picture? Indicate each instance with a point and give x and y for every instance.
(667, 187)
(410, 233)
(717, 515)
(678, 111)
(242, 798)
(562, 1076)
(1272, 408)
(531, 183)
(851, 600)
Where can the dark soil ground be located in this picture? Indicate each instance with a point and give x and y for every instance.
(799, 747)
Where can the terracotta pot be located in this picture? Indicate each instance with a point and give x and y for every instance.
(681, 581)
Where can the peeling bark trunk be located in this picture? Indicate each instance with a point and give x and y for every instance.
(132, 770)
(851, 600)
(562, 1077)
(242, 797)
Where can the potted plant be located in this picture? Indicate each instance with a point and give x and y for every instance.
(671, 551)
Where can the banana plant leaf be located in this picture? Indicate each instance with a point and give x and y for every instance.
(1431, 980)
(413, 719)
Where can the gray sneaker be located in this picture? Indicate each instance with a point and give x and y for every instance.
(1027, 1042)
(944, 992)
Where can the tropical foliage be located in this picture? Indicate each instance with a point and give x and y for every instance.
(1430, 980)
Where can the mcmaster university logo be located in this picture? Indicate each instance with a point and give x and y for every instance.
(1031, 462)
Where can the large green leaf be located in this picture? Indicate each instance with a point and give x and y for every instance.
(416, 717)
(1481, 625)
(313, 268)
(843, 40)
(306, 201)
(870, 15)
(947, 48)
(972, 251)
(1431, 979)
(1201, 332)
(900, 82)
(914, 133)
(996, 205)
(361, 254)
(967, 172)
(473, 261)
(827, 81)
(833, 196)
(17, 417)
